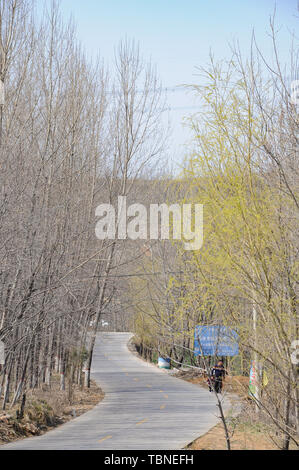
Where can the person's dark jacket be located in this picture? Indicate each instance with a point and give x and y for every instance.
(218, 372)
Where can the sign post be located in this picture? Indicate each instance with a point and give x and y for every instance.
(253, 382)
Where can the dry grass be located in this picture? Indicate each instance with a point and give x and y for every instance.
(47, 408)
(247, 431)
(245, 437)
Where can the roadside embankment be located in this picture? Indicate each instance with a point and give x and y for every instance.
(47, 408)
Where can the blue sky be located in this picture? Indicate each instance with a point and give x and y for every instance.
(178, 35)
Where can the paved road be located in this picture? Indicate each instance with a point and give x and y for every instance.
(143, 408)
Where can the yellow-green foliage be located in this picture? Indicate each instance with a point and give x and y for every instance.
(249, 251)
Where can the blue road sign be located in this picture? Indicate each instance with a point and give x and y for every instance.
(215, 341)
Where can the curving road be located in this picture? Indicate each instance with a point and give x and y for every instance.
(143, 408)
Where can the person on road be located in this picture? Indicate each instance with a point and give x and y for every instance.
(217, 376)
